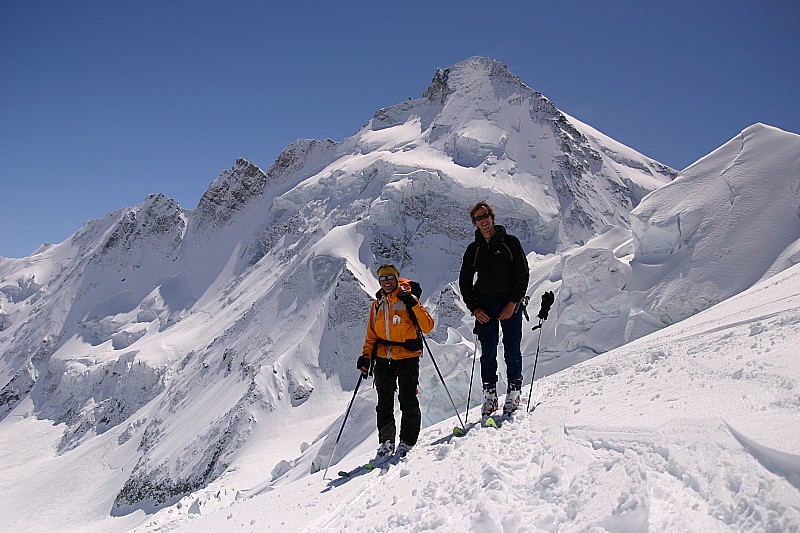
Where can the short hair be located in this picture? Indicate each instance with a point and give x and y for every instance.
(481, 205)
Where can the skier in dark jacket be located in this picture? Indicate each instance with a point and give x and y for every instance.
(495, 300)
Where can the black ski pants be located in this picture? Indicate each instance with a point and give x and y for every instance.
(401, 375)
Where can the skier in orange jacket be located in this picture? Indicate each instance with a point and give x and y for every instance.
(392, 349)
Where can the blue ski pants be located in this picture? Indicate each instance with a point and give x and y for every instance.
(489, 337)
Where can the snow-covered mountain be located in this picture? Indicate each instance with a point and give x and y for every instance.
(167, 348)
(725, 223)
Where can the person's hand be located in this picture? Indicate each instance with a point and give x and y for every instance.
(407, 298)
(508, 311)
(481, 315)
(363, 365)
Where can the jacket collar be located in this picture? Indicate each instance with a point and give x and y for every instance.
(499, 231)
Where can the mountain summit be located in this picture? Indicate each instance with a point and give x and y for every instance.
(497, 133)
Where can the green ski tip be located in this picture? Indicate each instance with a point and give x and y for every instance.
(458, 432)
(491, 423)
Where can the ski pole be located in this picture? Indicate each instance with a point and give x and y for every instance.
(533, 376)
(346, 414)
(472, 375)
(547, 300)
(463, 427)
(441, 378)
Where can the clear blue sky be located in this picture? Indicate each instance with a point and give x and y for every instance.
(104, 102)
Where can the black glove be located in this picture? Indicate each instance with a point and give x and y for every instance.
(363, 364)
(407, 298)
(547, 300)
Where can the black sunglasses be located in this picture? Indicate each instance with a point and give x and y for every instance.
(386, 277)
(481, 217)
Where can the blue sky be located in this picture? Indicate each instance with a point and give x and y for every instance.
(104, 102)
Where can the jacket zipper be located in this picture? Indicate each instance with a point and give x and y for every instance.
(387, 317)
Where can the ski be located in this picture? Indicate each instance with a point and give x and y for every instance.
(367, 467)
(458, 431)
(361, 470)
(496, 421)
(485, 421)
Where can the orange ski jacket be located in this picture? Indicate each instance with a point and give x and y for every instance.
(389, 320)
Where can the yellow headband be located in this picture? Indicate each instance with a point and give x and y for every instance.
(387, 269)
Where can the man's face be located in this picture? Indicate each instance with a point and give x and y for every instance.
(388, 283)
(483, 220)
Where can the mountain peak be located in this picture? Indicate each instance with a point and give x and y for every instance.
(298, 154)
(231, 192)
(482, 67)
(474, 74)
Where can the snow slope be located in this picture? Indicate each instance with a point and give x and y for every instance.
(723, 224)
(693, 428)
(728, 221)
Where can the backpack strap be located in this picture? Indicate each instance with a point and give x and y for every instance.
(478, 249)
(510, 253)
(414, 344)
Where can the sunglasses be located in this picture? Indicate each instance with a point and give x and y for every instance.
(481, 217)
(386, 277)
